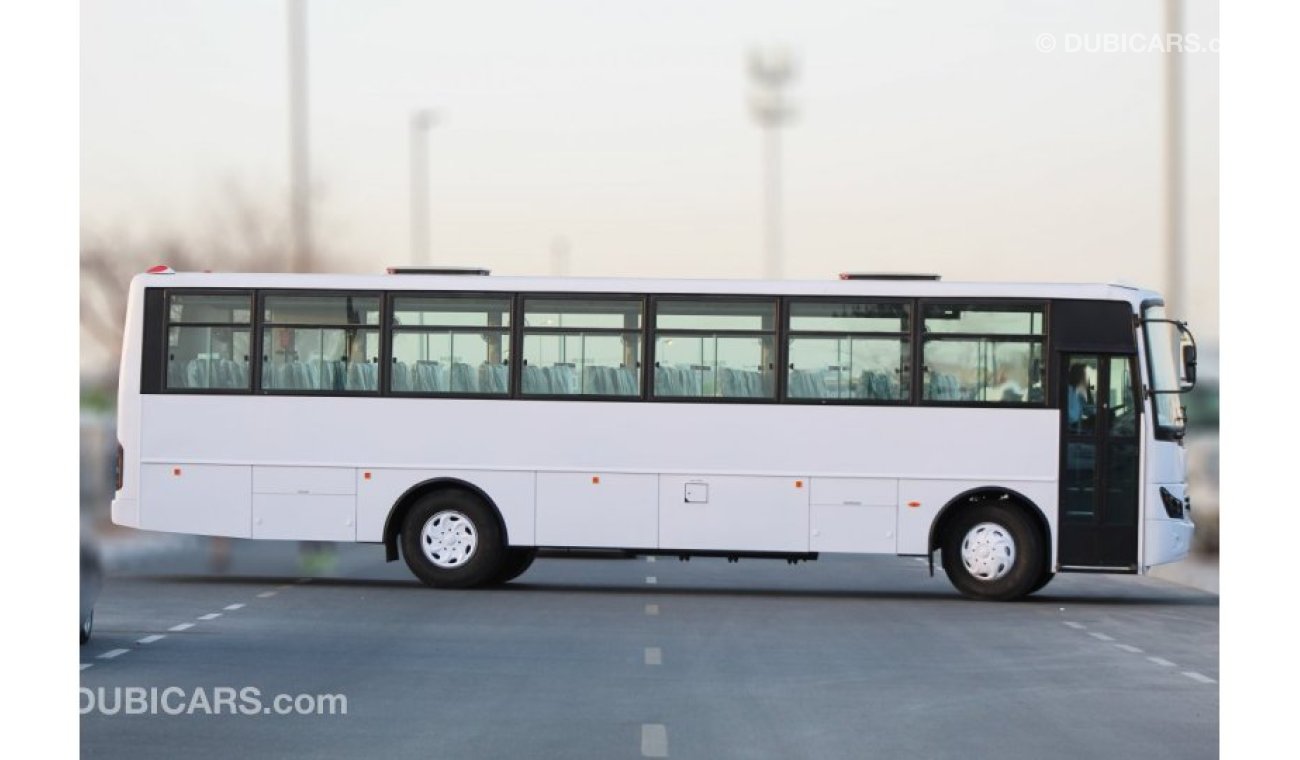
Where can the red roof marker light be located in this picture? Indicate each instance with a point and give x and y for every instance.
(160, 269)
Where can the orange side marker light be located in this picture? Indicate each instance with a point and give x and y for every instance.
(798, 484)
(595, 480)
(176, 472)
(365, 475)
(913, 504)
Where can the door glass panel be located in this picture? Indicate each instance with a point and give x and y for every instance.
(1078, 480)
(1081, 395)
(1119, 398)
(1121, 483)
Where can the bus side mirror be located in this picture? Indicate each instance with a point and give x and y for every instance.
(1189, 366)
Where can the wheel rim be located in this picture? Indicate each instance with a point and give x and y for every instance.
(988, 551)
(449, 539)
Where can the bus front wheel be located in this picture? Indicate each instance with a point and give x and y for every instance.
(451, 539)
(992, 551)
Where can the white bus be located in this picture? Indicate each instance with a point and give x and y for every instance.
(463, 421)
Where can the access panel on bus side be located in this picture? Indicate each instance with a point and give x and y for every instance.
(305, 503)
(853, 515)
(595, 509)
(206, 499)
(733, 512)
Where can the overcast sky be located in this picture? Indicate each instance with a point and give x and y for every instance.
(931, 136)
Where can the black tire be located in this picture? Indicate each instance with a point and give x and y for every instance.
(463, 514)
(1012, 582)
(1042, 581)
(517, 561)
(87, 623)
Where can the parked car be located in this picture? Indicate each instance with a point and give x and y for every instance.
(92, 578)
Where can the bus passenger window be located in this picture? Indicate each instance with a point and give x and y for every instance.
(320, 343)
(715, 349)
(451, 344)
(982, 353)
(849, 351)
(208, 341)
(590, 347)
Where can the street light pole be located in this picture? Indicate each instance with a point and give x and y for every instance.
(299, 167)
(422, 122)
(1175, 245)
(770, 71)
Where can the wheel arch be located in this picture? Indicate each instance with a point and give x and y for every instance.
(985, 494)
(397, 514)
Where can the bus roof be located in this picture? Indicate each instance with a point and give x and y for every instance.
(479, 283)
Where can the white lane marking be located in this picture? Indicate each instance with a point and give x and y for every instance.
(654, 740)
(85, 665)
(1161, 661)
(650, 558)
(151, 639)
(1100, 636)
(181, 627)
(1198, 677)
(1076, 626)
(920, 559)
(654, 656)
(233, 607)
(650, 579)
(210, 616)
(266, 595)
(652, 609)
(110, 654)
(1128, 648)
(285, 587)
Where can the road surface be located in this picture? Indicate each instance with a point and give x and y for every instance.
(845, 657)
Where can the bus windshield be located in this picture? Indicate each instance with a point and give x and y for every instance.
(1163, 340)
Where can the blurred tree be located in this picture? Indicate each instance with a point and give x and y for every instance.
(244, 235)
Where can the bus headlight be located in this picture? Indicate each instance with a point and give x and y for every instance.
(1174, 506)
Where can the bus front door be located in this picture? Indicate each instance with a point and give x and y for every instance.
(1099, 463)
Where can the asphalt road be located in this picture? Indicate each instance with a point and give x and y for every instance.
(614, 658)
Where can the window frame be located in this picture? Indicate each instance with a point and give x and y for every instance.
(518, 330)
(381, 377)
(909, 335)
(390, 328)
(159, 370)
(779, 349)
(918, 379)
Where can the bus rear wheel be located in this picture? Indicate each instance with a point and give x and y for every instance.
(517, 560)
(991, 551)
(451, 539)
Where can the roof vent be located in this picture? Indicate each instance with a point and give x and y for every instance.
(477, 271)
(886, 276)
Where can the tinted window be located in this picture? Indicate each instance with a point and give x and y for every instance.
(715, 349)
(451, 345)
(208, 341)
(983, 353)
(310, 343)
(849, 351)
(321, 310)
(581, 347)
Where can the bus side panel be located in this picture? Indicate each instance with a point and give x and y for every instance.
(513, 493)
(753, 513)
(597, 510)
(210, 500)
(853, 515)
(126, 501)
(931, 496)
